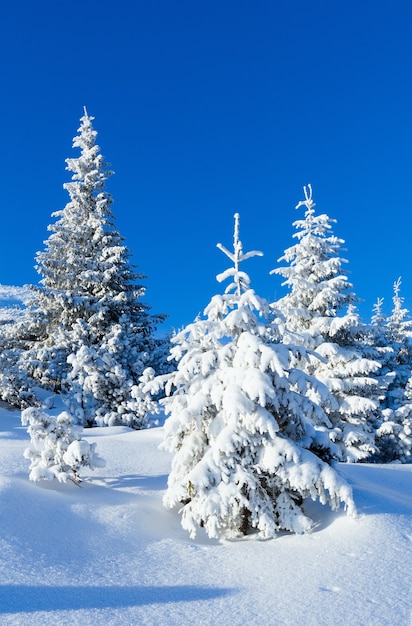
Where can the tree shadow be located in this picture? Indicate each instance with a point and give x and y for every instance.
(151, 483)
(11, 426)
(380, 489)
(32, 598)
(321, 515)
(8, 407)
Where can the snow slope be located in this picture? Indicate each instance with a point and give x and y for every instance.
(109, 553)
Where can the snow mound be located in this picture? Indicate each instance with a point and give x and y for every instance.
(108, 552)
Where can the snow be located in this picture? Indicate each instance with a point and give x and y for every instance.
(108, 552)
(15, 294)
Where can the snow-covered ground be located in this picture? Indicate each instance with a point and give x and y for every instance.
(109, 553)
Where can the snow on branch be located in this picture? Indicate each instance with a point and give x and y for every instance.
(308, 202)
(397, 286)
(241, 280)
(397, 300)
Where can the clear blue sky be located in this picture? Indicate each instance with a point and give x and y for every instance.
(204, 109)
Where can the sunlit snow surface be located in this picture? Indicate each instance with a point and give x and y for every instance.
(109, 553)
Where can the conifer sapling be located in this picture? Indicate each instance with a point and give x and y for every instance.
(57, 449)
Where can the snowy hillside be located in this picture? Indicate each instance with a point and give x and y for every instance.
(109, 553)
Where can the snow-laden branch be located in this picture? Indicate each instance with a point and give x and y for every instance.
(241, 280)
(308, 202)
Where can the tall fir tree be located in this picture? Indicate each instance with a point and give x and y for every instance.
(240, 421)
(92, 334)
(320, 312)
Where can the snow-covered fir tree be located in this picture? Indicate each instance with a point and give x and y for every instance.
(241, 422)
(93, 334)
(317, 284)
(320, 314)
(14, 386)
(394, 434)
(15, 338)
(57, 450)
(398, 329)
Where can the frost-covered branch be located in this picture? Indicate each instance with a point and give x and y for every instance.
(308, 201)
(241, 280)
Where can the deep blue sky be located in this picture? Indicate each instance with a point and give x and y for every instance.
(204, 109)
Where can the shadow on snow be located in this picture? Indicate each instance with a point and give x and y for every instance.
(31, 598)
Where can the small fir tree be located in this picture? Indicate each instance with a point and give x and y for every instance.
(394, 432)
(57, 450)
(240, 420)
(398, 329)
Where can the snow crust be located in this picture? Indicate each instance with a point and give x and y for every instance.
(108, 552)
